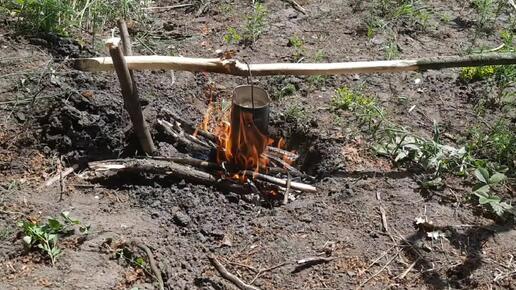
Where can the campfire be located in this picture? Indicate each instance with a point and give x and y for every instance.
(230, 149)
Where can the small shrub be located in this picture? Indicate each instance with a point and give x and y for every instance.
(232, 36)
(298, 44)
(255, 24)
(45, 236)
(297, 114)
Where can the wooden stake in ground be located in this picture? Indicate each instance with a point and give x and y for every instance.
(130, 95)
(235, 67)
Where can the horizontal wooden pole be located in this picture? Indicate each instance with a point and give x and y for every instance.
(235, 67)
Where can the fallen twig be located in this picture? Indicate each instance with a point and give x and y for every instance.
(230, 277)
(380, 271)
(287, 190)
(168, 7)
(152, 263)
(262, 271)
(58, 176)
(296, 6)
(279, 181)
(409, 268)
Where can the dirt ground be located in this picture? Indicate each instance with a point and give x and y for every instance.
(49, 110)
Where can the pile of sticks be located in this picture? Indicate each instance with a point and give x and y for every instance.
(181, 135)
(202, 171)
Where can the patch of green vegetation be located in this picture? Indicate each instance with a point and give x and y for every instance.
(281, 87)
(68, 17)
(232, 36)
(497, 144)
(254, 27)
(500, 80)
(391, 50)
(369, 113)
(347, 99)
(492, 149)
(256, 23)
(317, 81)
(298, 44)
(319, 55)
(297, 114)
(477, 73)
(385, 16)
(412, 12)
(487, 11)
(45, 236)
(486, 181)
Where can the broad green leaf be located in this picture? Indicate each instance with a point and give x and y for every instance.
(52, 238)
(55, 225)
(482, 174)
(27, 239)
(499, 207)
(484, 198)
(497, 178)
(481, 189)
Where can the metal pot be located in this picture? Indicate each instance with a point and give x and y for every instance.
(249, 119)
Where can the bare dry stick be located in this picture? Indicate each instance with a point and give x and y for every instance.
(296, 6)
(230, 277)
(152, 263)
(381, 270)
(235, 67)
(57, 177)
(130, 94)
(124, 34)
(167, 7)
(279, 181)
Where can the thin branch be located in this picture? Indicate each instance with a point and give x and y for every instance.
(230, 277)
(152, 264)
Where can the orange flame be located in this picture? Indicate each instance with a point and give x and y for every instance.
(246, 149)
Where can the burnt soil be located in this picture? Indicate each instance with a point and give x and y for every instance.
(51, 111)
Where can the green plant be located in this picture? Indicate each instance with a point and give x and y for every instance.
(255, 24)
(298, 44)
(67, 17)
(347, 99)
(296, 113)
(476, 73)
(287, 90)
(497, 144)
(369, 114)
(486, 13)
(391, 50)
(232, 36)
(319, 55)
(486, 181)
(45, 236)
(317, 81)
